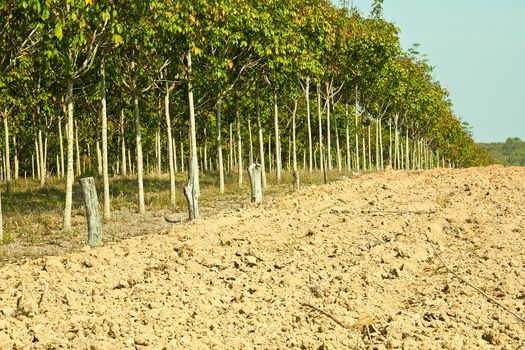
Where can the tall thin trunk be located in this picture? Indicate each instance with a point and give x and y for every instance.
(219, 144)
(70, 171)
(130, 166)
(347, 134)
(138, 143)
(175, 162)
(251, 142)
(8, 162)
(364, 149)
(260, 131)
(170, 146)
(123, 165)
(357, 163)
(37, 157)
(382, 164)
(369, 149)
(270, 156)
(328, 129)
(294, 146)
(42, 159)
(99, 157)
(309, 125)
(239, 140)
(193, 183)
(105, 172)
(15, 161)
(230, 150)
(205, 160)
(407, 152)
(278, 165)
(377, 145)
(320, 123)
(390, 143)
(60, 139)
(79, 171)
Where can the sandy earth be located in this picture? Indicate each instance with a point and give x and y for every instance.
(366, 252)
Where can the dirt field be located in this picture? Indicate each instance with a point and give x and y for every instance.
(380, 261)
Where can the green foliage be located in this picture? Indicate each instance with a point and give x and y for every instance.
(510, 152)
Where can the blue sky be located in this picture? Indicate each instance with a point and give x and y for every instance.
(478, 50)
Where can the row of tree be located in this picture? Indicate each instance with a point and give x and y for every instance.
(262, 81)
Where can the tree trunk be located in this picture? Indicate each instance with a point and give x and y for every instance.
(320, 123)
(192, 190)
(328, 128)
(175, 163)
(407, 152)
(205, 160)
(15, 151)
(138, 143)
(251, 142)
(255, 174)
(170, 146)
(363, 146)
(260, 131)
(42, 159)
(390, 143)
(93, 216)
(60, 138)
(369, 149)
(278, 166)
(99, 158)
(219, 144)
(7, 159)
(79, 171)
(123, 165)
(296, 181)
(377, 145)
(357, 162)
(270, 156)
(382, 164)
(309, 126)
(239, 141)
(105, 172)
(1, 221)
(231, 160)
(347, 134)
(70, 170)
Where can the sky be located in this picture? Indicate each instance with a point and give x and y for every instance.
(477, 49)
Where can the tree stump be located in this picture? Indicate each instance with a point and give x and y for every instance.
(92, 211)
(192, 190)
(296, 180)
(255, 173)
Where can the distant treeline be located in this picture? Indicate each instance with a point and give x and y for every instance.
(511, 152)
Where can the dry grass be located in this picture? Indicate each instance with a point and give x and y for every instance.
(33, 215)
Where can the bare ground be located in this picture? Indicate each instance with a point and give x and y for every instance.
(385, 260)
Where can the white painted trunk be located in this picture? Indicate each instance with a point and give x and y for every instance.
(220, 159)
(138, 144)
(105, 172)
(70, 177)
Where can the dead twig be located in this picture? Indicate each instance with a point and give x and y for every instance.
(43, 295)
(473, 286)
(333, 318)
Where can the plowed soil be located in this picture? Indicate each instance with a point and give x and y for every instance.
(391, 260)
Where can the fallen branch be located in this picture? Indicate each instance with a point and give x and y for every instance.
(326, 314)
(473, 286)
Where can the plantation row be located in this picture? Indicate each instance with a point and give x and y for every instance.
(92, 86)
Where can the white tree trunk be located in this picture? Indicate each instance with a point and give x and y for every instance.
(309, 126)
(278, 165)
(239, 141)
(60, 138)
(294, 146)
(320, 123)
(170, 146)
(138, 144)
(261, 137)
(79, 171)
(15, 160)
(192, 190)
(251, 142)
(105, 172)
(70, 177)
(328, 128)
(42, 161)
(7, 152)
(123, 164)
(219, 144)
